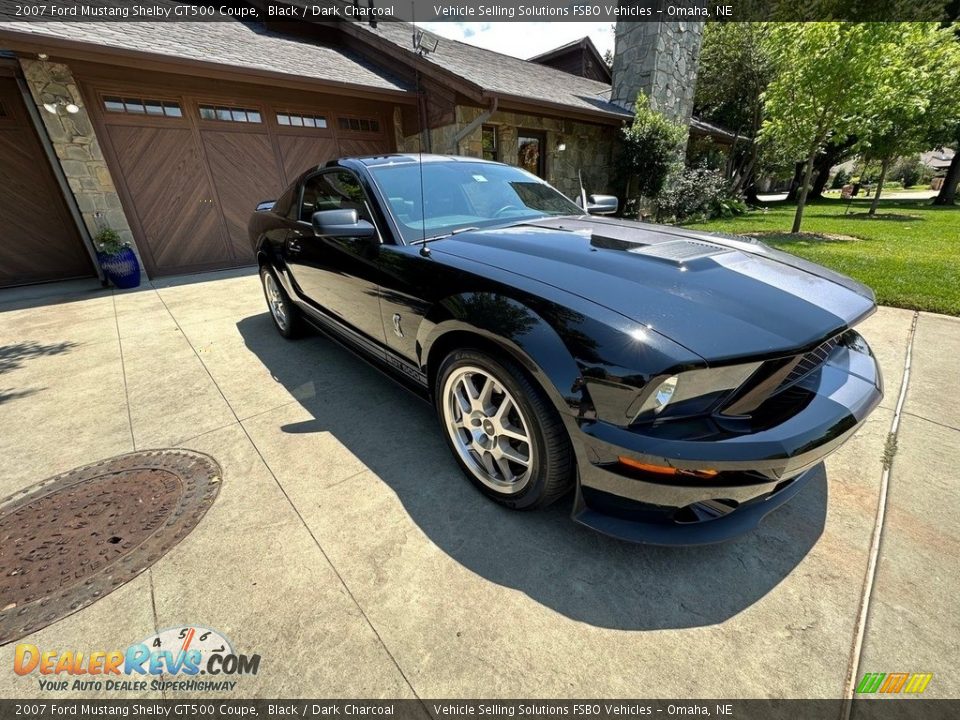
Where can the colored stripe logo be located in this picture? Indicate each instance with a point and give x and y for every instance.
(911, 683)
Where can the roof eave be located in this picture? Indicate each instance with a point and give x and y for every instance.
(28, 42)
(568, 111)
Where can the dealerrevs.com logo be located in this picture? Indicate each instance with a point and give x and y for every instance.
(190, 658)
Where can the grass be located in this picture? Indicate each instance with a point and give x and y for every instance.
(909, 254)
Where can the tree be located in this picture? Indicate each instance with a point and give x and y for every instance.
(948, 193)
(915, 105)
(826, 75)
(651, 150)
(735, 67)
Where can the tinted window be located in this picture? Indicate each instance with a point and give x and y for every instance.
(333, 190)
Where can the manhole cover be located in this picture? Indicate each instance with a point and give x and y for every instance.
(71, 539)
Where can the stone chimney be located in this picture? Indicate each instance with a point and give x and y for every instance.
(659, 59)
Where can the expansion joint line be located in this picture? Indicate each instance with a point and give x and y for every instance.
(877, 539)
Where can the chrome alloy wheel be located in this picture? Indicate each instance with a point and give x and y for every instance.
(488, 429)
(275, 300)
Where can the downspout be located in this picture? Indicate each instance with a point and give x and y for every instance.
(474, 124)
(64, 186)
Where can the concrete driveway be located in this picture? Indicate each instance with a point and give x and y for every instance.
(349, 552)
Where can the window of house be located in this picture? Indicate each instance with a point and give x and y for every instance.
(334, 190)
(357, 124)
(530, 152)
(491, 145)
(301, 120)
(140, 106)
(229, 114)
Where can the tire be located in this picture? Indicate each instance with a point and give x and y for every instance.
(283, 312)
(507, 437)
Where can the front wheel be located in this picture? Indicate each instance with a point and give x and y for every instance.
(503, 431)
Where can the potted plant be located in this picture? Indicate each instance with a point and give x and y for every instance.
(117, 259)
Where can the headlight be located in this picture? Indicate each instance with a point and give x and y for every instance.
(664, 393)
(695, 392)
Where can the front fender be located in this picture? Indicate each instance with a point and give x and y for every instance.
(592, 362)
(529, 338)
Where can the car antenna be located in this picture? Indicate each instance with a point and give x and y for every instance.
(424, 250)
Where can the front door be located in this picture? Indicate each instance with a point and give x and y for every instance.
(336, 275)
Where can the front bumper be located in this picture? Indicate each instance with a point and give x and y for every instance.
(758, 470)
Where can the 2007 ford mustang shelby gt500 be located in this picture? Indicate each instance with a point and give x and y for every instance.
(681, 384)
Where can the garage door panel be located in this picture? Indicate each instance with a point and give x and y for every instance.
(362, 146)
(39, 241)
(244, 170)
(165, 176)
(302, 152)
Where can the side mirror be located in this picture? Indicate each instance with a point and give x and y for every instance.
(602, 204)
(341, 224)
(265, 205)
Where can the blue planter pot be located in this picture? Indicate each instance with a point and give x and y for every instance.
(122, 269)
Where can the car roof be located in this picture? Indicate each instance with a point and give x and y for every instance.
(409, 159)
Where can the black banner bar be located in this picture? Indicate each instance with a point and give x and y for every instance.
(29, 11)
(881, 708)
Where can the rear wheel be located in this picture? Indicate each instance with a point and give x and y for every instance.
(503, 430)
(285, 315)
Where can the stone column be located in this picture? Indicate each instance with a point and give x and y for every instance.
(76, 145)
(660, 60)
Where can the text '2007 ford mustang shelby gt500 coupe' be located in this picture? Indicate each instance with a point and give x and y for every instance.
(681, 384)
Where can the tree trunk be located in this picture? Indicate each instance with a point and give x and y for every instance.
(793, 194)
(804, 190)
(883, 176)
(948, 193)
(823, 165)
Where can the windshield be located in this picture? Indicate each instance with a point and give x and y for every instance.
(461, 195)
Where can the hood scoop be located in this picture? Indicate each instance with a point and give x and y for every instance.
(677, 252)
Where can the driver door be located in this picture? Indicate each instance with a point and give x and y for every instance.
(337, 276)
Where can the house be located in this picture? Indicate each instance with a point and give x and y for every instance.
(171, 132)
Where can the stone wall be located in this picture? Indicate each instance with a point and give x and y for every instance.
(659, 59)
(586, 147)
(73, 139)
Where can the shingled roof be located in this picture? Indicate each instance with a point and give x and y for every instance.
(229, 44)
(504, 75)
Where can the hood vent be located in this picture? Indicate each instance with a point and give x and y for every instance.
(680, 251)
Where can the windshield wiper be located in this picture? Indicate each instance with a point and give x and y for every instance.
(445, 235)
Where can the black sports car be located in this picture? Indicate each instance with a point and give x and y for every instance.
(682, 384)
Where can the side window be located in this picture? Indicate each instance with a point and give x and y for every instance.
(334, 190)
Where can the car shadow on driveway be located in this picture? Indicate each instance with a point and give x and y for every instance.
(579, 573)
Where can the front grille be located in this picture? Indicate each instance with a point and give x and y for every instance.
(808, 363)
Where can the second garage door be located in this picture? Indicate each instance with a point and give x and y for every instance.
(191, 168)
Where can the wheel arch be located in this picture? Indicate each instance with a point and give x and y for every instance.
(533, 344)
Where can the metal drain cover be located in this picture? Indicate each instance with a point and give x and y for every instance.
(74, 538)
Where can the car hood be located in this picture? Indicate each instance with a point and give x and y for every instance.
(720, 297)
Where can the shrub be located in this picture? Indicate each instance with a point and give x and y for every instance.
(910, 171)
(840, 179)
(651, 150)
(698, 193)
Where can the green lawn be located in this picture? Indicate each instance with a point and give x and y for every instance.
(909, 254)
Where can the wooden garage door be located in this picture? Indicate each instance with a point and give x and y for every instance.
(39, 240)
(165, 175)
(191, 168)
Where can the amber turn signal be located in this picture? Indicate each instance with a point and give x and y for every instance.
(662, 470)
